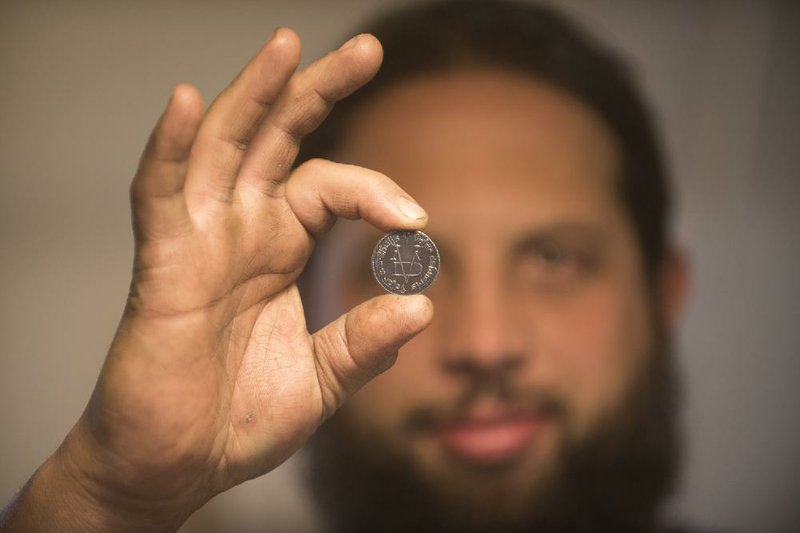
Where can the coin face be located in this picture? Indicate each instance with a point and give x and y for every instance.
(405, 262)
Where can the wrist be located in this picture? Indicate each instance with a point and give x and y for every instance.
(114, 493)
(65, 495)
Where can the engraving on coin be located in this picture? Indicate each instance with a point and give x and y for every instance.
(405, 262)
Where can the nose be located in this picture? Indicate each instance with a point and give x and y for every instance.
(483, 329)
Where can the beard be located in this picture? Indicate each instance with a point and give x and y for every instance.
(613, 479)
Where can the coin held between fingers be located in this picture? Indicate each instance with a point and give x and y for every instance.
(405, 262)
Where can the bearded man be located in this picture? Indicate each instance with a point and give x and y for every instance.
(542, 396)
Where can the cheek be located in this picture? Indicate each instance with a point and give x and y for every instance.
(591, 345)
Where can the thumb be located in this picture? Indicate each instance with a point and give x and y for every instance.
(364, 342)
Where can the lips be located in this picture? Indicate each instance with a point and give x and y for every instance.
(490, 437)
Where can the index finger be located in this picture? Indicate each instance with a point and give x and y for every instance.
(303, 105)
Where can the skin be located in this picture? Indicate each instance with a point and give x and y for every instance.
(212, 377)
(541, 278)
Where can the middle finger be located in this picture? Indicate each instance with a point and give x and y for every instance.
(236, 114)
(302, 106)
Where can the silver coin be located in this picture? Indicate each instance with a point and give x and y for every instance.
(405, 262)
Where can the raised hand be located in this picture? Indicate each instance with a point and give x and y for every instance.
(212, 377)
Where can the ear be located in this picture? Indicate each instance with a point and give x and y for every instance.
(674, 284)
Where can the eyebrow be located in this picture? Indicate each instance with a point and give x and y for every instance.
(572, 231)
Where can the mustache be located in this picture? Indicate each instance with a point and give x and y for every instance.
(513, 399)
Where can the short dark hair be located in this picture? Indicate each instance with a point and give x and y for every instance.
(538, 41)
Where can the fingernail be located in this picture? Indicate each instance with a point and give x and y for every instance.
(172, 92)
(410, 208)
(349, 43)
(275, 33)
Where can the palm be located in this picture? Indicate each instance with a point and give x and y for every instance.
(213, 377)
(230, 284)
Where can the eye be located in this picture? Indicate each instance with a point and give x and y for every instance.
(547, 262)
(551, 253)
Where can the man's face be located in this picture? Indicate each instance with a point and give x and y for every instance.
(543, 322)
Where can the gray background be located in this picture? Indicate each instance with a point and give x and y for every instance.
(81, 84)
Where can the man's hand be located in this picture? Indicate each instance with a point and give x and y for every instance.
(213, 378)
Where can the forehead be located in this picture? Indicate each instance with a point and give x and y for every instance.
(480, 145)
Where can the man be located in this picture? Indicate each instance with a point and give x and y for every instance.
(541, 395)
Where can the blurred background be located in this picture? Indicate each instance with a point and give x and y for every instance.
(82, 83)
